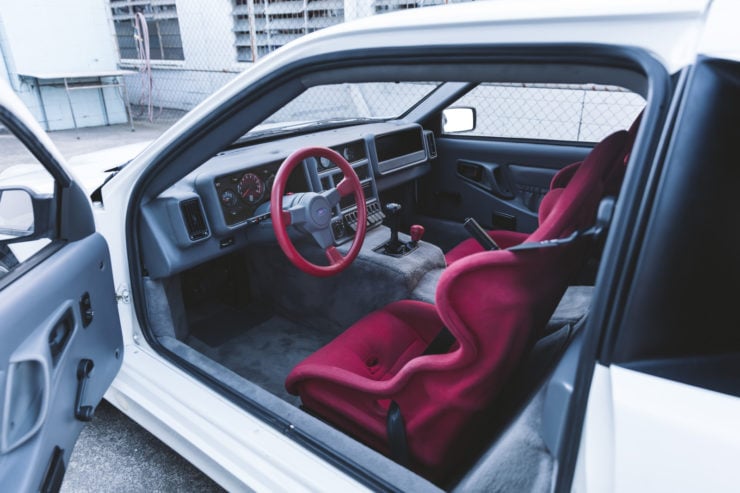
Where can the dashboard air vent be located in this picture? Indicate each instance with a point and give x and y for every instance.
(195, 221)
(431, 145)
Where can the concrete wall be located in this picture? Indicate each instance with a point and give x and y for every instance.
(45, 36)
(206, 29)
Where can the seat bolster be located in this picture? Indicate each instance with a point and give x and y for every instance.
(496, 301)
(564, 175)
(548, 202)
(575, 207)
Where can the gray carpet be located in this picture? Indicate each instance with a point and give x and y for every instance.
(265, 353)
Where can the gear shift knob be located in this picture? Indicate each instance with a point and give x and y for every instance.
(392, 209)
(417, 231)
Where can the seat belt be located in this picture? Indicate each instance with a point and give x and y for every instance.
(595, 233)
(441, 342)
(396, 431)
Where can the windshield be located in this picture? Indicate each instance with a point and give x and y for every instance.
(345, 103)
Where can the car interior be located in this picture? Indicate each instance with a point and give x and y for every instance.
(401, 321)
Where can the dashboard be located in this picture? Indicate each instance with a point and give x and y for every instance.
(224, 203)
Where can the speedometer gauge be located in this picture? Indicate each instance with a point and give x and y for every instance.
(251, 188)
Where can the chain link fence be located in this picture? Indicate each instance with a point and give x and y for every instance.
(184, 50)
(562, 112)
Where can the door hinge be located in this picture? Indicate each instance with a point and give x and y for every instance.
(123, 295)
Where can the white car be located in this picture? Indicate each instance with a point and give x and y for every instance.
(480, 247)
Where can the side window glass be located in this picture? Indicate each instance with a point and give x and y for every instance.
(27, 204)
(558, 112)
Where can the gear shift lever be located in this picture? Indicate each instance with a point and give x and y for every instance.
(393, 221)
(395, 247)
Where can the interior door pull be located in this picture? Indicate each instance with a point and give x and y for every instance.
(491, 177)
(84, 368)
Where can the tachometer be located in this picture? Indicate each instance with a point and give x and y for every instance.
(251, 188)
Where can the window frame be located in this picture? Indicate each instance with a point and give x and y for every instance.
(26, 138)
(151, 17)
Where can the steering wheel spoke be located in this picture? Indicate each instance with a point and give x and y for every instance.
(332, 196)
(295, 216)
(323, 238)
(345, 187)
(334, 256)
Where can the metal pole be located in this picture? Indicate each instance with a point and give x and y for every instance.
(305, 17)
(252, 29)
(41, 103)
(122, 83)
(101, 92)
(267, 25)
(71, 108)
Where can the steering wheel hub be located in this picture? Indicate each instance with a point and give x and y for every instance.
(319, 211)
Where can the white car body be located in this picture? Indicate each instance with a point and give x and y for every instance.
(629, 441)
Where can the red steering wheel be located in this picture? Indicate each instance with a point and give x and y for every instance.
(311, 213)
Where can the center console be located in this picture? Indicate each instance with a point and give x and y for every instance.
(344, 222)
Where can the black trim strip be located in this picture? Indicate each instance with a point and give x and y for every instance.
(30, 263)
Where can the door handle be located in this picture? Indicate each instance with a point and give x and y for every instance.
(84, 369)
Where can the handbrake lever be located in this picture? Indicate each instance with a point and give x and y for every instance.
(480, 235)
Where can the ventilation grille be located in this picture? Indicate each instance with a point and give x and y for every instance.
(431, 145)
(195, 222)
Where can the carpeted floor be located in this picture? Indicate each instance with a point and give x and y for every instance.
(217, 324)
(266, 352)
(264, 348)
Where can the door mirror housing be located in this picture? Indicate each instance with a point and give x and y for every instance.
(459, 119)
(24, 216)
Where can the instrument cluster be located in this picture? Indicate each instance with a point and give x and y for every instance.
(242, 192)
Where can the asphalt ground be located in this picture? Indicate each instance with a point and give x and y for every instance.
(113, 453)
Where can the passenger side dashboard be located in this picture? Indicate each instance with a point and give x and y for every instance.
(224, 204)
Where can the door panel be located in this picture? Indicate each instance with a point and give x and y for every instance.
(45, 338)
(498, 183)
(60, 336)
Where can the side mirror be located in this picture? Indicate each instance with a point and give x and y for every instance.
(24, 216)
(456, 120)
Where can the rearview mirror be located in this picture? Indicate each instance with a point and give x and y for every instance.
(456, 120)
(23, 215)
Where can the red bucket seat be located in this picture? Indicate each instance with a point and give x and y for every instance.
(492, 302)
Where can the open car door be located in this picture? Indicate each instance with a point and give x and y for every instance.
(60, 335)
